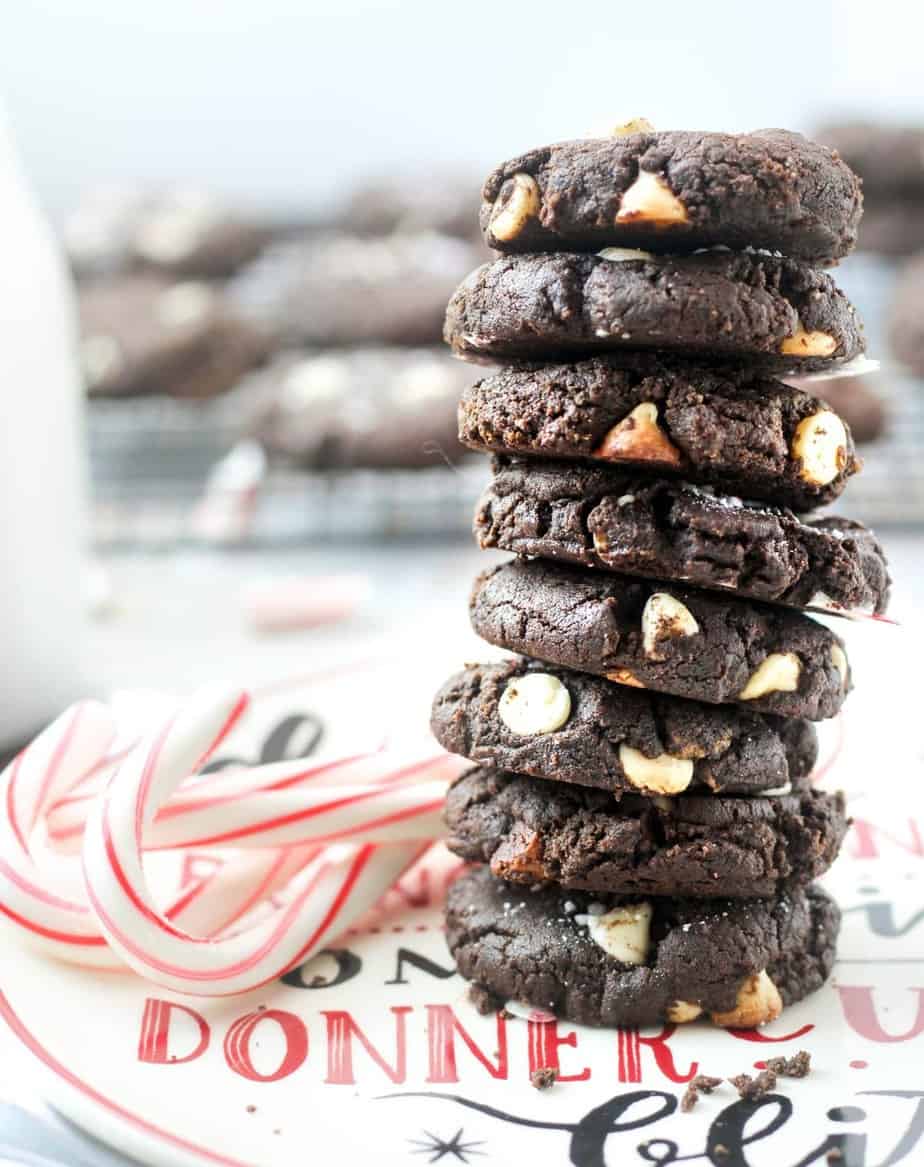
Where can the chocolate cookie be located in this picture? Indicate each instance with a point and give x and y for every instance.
(906, 317)
(435, 200)
(536, 719)
(663, 637)
(609, 960)
(858, 402)
(343, 289)
(532, 831)
(888, 158)
(676, 191)
(730, 427)
(375, 408)
(143, 334)
(179, 232)
(667, 529)
(761, 310)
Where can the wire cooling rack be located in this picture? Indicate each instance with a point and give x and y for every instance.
(167, 472)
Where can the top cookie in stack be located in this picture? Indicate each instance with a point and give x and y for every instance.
(650, 475)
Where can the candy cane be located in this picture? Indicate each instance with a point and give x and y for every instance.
(280, 804)
(282, 814)
(342, 882)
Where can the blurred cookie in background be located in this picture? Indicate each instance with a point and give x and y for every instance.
(438, 201)
(341, 289)
(890, 160)
(144, 334)
(375, 408)
(857, 400)
(178, 231)
(905, 322)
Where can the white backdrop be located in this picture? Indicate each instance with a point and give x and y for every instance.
(279, 102)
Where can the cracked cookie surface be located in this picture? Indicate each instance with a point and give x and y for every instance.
(768, 658)
(532, 831)
(530, 947)
(770, 189)
(731, 749)
(667, 529)
(729, 427)
(769, 311)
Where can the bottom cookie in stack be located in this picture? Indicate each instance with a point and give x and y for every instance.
(612, 960)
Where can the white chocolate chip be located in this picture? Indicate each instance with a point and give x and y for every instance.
(311, 381)
(758, 1002)
(101, 357)
(665, 618)
(173, 232)
(512, 213)
(776, 791)
(779, 673)
(534, 703)
(638, 438)
(820, 445)
(632, 126)
(839, 660)
(808, 344)
(185, 303)
(624, 254)
(623, 932)
(650, 201)
(423, 380)
(683, 1011)
(664, 774)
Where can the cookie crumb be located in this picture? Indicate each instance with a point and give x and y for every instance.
(720, 1150)
(705, 1084)
(484, 1000)
(835, 1155)
(749, 1087)
(798, 1066)
(542, 1079)
(505, 1014)
(317, 982)
(251, 1109)
(701, 1084)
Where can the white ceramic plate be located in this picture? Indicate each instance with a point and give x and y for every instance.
(372, 1054)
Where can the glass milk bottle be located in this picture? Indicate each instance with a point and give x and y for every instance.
(42, 485)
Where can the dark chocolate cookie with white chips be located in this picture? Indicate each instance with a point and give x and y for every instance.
(534, 832)
(663, 637)
(338, 289)
(605, 960)
(676, 191)
(178, 232)
(533, 718)
(367, 408)
(743, 432)
(661, 528)
(762, 310)
(143, 334)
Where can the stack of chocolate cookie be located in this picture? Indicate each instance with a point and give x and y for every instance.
(641, 800)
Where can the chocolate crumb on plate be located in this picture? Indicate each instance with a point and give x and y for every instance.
(543, 1078)
(749, 1087)
(798, 1066)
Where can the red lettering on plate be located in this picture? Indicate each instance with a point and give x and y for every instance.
(239, 1035)
(630, 1045)
(341, 1029)
(860, 1012)
(154, 1039)
(863, 839)
(543, 1041)
(442, 1027)
(764, 1038)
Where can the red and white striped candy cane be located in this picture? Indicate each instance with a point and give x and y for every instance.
(341, 883)
(398, 795)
